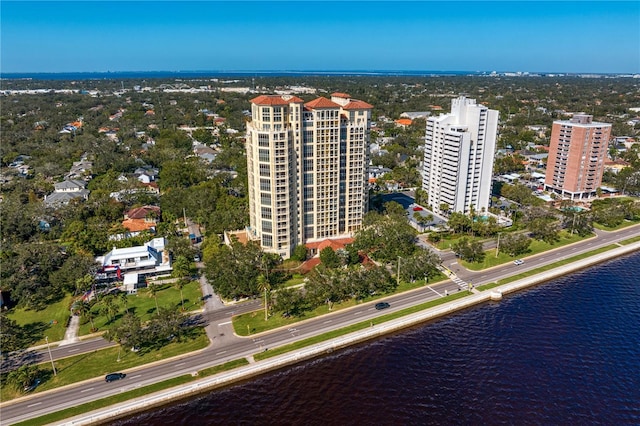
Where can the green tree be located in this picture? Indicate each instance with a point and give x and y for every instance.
(515, 244)
(471, 251)
(153, 292)
(299, 253)
(264, 287)
(23, 376)
(329, 258)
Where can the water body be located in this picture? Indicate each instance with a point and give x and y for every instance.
(563, 353)
(216, 74)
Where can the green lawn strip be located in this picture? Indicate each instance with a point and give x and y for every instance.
(98, 363)
(630, 240)
(555, 264)
(125, 396)
(625, 224)
(487, 286)
(536, 247)
(253, 322)
(144, 305)
(356, 327)
(54, 317)
(223, 367)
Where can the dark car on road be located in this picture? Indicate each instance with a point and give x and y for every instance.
(114, 376)
(382, 305)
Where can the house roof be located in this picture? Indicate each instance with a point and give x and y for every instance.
(356, 104)
(69, 184)
(142, 212)
(335, 243)
(137, 225)
(340, 95)
(321, 103)
(275, 100)
(404, 121)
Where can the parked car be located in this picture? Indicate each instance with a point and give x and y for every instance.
(33, 385)
(114, 376)
(382, 305)
(518, 262)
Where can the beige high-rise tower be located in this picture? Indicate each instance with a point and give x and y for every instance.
(307, 169)
(577, 152)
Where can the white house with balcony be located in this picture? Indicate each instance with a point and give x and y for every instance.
(131, 264)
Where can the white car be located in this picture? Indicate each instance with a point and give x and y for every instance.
(518, 262)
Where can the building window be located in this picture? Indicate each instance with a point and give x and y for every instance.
(266, 226)
(263, 155)
(266, 114)
(267, 240)
(265, 212)
(277, 114)
(265, 185)
(263, 140)
(265, 170)
(265, 199)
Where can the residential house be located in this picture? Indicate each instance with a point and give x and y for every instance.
(66, 191)
(133, 264)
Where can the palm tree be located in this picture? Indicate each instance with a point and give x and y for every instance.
(179, 284)
(83, 309)
(264, 286)
(153, 292)
(124, 298)
(109, 306)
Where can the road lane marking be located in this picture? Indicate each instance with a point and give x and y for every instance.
(135, 377)
(327, 322)
(33, 405)
(86, 390)
(178, 365)
(220, 353)
(356, 313)
(72, 350)
(435, 292)
(225, 323)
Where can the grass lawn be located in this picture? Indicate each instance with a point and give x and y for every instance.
(554, 265)
(253, 322)
(624, 224)
(50, 322)
(355, 327)
(144, 305)
(98, 363)
(105, 402)
(630, 240)
(296, 279)
(536, 247)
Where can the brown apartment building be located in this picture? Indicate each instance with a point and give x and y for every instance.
(577, 153)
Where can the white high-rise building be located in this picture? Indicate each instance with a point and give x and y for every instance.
(458, 157)
(307, 169)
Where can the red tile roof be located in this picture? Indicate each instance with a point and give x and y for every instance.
(141, 212)
(324, 243)
(356, 104)
(340, 95)
(321, 103)
(404, 121)
(136, 225)
(275, 100)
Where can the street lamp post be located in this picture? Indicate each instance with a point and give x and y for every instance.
(498, 245)
(55, 373)
(398, 280)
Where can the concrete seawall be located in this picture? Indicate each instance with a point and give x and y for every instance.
(294, 357)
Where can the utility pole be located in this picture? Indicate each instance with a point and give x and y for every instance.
(55, 373)
(498, 245)
(398, 280)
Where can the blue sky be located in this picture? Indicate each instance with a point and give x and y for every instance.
(534, 36)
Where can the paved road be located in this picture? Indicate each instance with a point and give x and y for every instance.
(229, 347)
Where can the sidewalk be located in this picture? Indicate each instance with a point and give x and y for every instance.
(71, 335)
